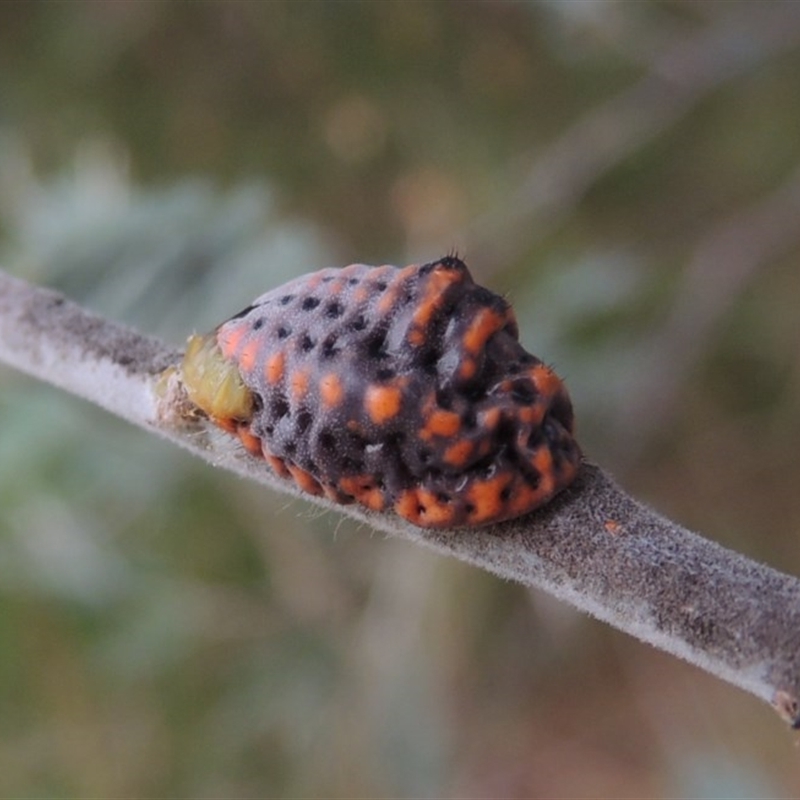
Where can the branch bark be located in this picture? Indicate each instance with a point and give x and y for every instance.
(593, 546)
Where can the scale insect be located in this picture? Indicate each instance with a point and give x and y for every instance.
(397, 388)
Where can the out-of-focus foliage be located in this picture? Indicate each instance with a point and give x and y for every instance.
(626, 172)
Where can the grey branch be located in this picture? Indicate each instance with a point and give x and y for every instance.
(593, 546)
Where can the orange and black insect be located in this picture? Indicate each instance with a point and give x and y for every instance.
(398, 388)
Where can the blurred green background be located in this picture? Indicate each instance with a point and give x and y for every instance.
(626, 173)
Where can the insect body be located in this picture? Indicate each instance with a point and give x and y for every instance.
(398, 388)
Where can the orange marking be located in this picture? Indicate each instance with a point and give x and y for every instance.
(490, 419)
(364, 489)
(306, 481)
(407, 272)
(331, 390)
(396, 286)
(407, 505)
(336, 286)
(437, 283)
(314, 280)
(416, 337)
(273, 369)
(227, 424)
(525, 498)
(349, 485)
(467, 369)
(485, 497)
(421, 507)
(546, 381)
(458, 454)
(533, 414)
(612, 526)
(484, 446)
(441, 423)
(381, 272)
(543, 463)
(486, 323)
(350, 270)
(229, 338)
(251, 443)
(436, 513)
(298, 384)
(382, 403)
(247, 355)
(360, 295)
(389, 297)
(372, 498)
(332, 493)
(278, 464)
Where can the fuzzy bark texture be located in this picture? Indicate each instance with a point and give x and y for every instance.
(593, 546)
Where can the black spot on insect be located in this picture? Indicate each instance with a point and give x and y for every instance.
(535, 439)
(531, 476)
(304, 420)
(352, 465)
(505, 432)
(452, 262)
(329, 348)
(395, 439)
(429, 359)
(307, 344)
(356, 442)
(334, 310)
(444, 398)
(523, 391)
(376, 344)
(279, 407)
(561, 411)
(448, 310)
(243, 313)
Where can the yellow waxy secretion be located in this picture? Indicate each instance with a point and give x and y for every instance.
(213, 382)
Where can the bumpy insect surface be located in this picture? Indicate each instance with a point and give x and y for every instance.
(398, 388)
